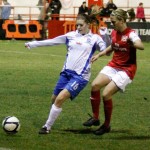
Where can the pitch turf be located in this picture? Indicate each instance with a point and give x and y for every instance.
(27, 78)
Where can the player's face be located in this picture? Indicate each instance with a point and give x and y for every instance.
(117, 24)
(82, 26)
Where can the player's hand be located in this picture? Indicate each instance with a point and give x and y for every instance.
(27, 46)
(94, 58)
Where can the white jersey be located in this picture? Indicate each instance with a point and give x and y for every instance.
(80, 50)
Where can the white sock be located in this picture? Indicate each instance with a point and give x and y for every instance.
(53, 115)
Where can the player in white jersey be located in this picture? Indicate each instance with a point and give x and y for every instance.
(81, 45)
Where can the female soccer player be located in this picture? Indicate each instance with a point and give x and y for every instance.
(118, 73)
(81, 45)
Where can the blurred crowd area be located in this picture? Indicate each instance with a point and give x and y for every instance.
(44, 9)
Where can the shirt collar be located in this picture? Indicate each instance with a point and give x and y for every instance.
(88, 34)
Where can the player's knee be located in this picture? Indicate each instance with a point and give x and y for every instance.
(106, 95)
(95, 86)
(58, 102)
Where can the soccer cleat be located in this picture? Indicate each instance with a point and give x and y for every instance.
(92, 122)
(44, 130)
(102, 130)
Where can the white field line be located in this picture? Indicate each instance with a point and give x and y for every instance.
(3, 148)
(33, 53)
(30, 53)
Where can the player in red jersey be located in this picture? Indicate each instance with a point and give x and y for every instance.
(118, 73)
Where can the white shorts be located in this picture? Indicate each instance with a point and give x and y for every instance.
(120, 78)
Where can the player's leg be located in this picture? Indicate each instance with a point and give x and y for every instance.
(54, 110)
(109, 90)
(57, 108)
(119, 82)
(99, 82)
(71, 90)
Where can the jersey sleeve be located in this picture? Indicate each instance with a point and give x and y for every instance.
(104, 34)
(133, 36)
(101, 45)
(55, 41)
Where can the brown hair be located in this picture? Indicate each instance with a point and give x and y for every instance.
(140, 4)
(124, 15)
(91, 18)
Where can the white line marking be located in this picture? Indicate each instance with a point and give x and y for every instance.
(53, 55)
(3, 148)
(16, 52)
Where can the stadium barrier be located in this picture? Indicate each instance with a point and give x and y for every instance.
(58, 27)
(69, 26)
(22, 29)
(141, 28)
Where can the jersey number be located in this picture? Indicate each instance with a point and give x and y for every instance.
(75, 85)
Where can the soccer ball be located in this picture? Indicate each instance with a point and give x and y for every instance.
(11, 124)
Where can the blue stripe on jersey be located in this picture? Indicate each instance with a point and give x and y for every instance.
(88, 60)
(67, 41)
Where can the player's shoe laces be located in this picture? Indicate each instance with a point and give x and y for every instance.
(102, 130)
(91, 122)
(44, 130)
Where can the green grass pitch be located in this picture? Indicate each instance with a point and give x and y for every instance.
(27, 79)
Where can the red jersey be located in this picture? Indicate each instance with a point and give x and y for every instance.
(124, 56)
(140, 12)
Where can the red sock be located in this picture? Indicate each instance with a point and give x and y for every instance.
(95, 102)
(108, 106)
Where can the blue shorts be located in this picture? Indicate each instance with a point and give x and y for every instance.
(71, 81)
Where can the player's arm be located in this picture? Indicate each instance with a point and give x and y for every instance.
(135, 41)
(107, 51)
(49, 42)
(104, 34)
(138, 44)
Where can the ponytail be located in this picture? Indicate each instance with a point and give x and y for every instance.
(92, 17)
(131, 14)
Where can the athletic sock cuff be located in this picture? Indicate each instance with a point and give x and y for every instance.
(56, 108)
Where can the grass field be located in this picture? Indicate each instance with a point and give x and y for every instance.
(27, 79)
